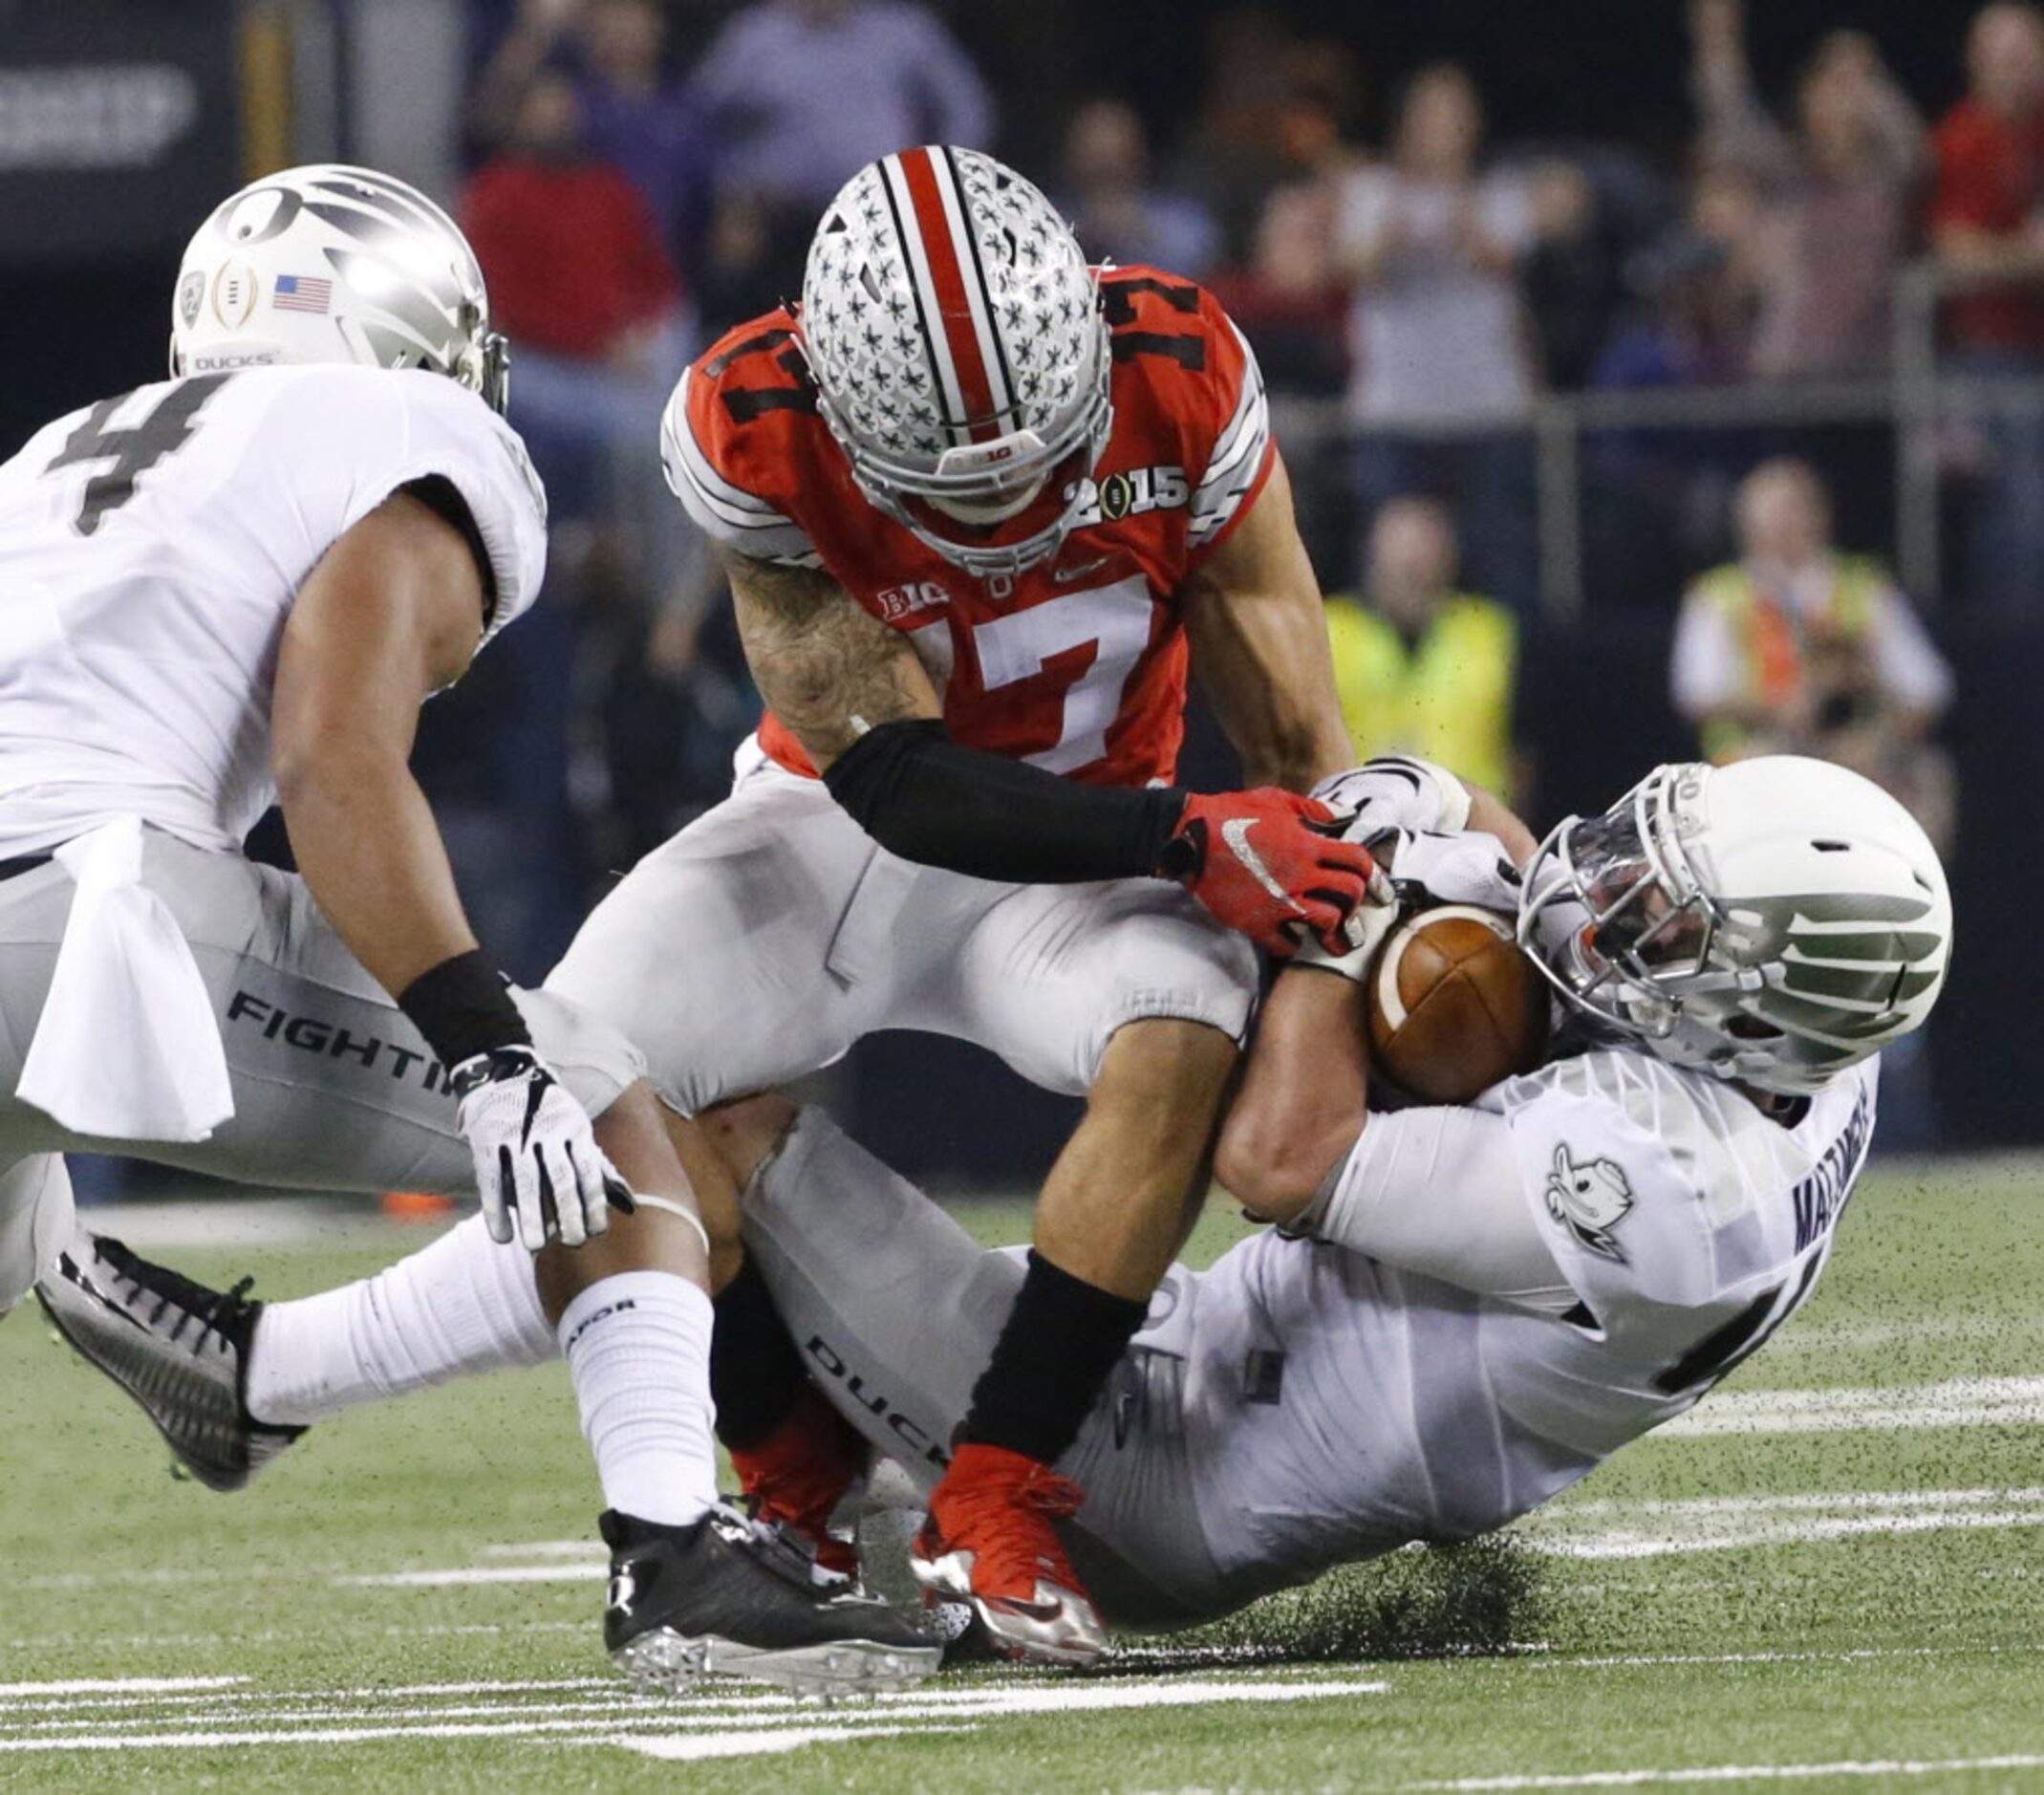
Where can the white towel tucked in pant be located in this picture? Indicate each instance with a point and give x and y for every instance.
(127, 1048)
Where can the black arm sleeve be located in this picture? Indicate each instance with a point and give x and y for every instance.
(923, 796)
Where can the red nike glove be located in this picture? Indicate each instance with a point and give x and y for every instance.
(1272, 864)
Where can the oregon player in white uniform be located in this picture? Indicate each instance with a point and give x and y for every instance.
(1469, 1308)
(1491, 1300)
(233, 588)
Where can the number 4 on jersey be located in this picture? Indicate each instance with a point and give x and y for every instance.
(132, 450)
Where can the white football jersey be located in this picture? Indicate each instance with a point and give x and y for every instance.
(1337, 1407)
(151, 548)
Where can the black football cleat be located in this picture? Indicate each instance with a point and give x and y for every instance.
(177, 1346)
(716, 1599)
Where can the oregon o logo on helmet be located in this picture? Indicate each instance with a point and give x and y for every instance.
(242, 220)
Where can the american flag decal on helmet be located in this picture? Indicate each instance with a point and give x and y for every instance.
(301, 292)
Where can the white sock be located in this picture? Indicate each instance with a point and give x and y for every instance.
(638, 1348)
(462, 1305)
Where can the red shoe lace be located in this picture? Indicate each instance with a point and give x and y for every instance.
(999, 1505)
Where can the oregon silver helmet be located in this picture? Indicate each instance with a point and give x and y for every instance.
(1771, 922)
(333, 263)
(961, 358)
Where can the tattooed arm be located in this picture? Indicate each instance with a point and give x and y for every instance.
(859, 701)
(830, 669)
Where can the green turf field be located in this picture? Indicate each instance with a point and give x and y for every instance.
(1838, 1561)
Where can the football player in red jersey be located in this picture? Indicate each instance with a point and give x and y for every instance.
(982, 507)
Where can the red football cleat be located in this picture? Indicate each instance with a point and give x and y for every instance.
(795, 1477)
(989, 1542)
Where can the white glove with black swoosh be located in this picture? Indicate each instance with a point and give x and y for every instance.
(535, 1151)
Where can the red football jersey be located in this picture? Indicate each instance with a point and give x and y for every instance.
(1077, 666)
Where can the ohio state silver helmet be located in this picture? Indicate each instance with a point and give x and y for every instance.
(1773, 922)
(327, 263)
(955, 334)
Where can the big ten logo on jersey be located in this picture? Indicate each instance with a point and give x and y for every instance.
(895, 602)
(1133, 492)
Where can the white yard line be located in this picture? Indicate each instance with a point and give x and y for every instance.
(117, 1685)
(1786, 1533)
(695, 1748)
(1742, 1772)
(15, 1709)
(1843, 1336)
(286, 1636)
(463, 1577)
(293, 1736)
(732, 1723)
(1713, 1524)
(1653, 1659)
(1806, 1498)
(1956, 1402)
(545, 1548)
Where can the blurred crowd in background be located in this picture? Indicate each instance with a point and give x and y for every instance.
(1417, 303)
(1689, 401)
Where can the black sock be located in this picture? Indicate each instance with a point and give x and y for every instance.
(756, 1372)
(1060, 1343)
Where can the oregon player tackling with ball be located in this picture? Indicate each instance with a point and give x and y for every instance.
(1488, 1301)
(1468, 1309)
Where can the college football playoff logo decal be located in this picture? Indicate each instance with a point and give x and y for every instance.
(1590, 1198)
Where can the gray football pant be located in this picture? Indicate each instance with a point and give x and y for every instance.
(896, 1309)
(333, 1087)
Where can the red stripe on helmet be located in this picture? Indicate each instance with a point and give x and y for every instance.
(951, 267)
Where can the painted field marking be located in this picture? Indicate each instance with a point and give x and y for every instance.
(117, 1685)
(733, 1722)
(1742, 1772)
(466, 1575)
(170, 1691)
(1655, 1659)
(687, 1748)
(1956, 1402)
(1791, 1499)
(1848, 1335)
(1717, 1523)
(546, 1548)
(288, 1635)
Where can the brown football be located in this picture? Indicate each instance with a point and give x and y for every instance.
(1454, 1007)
